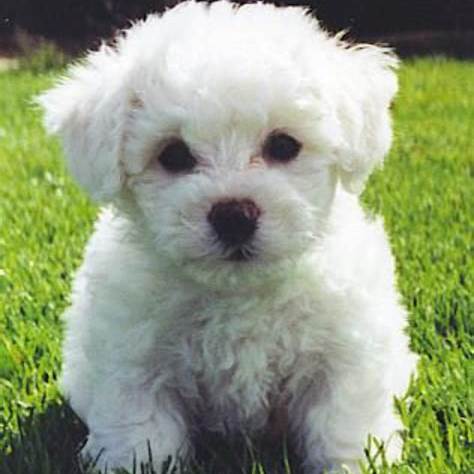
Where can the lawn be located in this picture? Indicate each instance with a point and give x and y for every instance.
(425, 193)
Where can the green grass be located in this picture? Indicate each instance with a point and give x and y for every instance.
(425, 193)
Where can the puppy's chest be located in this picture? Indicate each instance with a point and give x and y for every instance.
(236, 361)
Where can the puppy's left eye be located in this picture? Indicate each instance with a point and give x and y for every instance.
(177, 157)
(281, 147)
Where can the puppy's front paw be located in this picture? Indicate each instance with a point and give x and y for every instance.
(334, 467)
(96, 457)
(99, 457)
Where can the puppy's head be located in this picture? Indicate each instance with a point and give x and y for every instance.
(227, 129)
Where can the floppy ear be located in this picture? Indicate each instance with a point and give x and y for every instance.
(87, 110)
(367, 84)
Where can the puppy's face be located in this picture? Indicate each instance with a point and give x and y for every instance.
(227, 130)
(237, 177)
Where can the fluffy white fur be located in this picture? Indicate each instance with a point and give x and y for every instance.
(165, 336)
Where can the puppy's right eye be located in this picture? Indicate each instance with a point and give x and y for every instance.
(176, 157)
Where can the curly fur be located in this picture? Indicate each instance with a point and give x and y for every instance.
(165, 336)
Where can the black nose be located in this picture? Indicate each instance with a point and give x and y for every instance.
(234, 221)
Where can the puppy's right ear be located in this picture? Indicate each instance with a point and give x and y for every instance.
(87, 110)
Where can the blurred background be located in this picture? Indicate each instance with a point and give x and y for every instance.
(66, 27)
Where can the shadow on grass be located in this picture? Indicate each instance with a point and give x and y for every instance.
(48, 443)
(214, 455)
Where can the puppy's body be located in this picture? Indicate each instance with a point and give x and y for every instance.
(169, 332)
(322, 339)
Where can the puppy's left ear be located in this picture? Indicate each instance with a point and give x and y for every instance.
(87, 110)
(367, 85)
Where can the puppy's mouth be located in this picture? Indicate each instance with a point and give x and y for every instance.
(241, 254)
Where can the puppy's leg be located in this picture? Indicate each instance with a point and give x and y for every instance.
(332, 423)
(130, 426)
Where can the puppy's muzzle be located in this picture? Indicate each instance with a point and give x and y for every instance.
(234, 222)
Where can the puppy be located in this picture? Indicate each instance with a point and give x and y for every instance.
(233, 273)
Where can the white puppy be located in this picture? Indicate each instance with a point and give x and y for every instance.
(233, 278)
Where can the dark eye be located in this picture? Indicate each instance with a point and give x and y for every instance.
(281, 147)
(176, 157)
